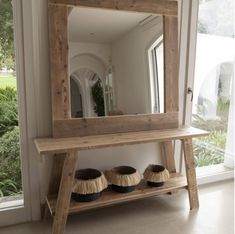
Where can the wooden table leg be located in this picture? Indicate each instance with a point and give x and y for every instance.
(64, 195)
(168, 156)
(191, 173)
(55, 178)
(57, 167)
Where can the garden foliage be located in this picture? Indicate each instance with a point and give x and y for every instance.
(210, 150)
(98, 98)
(10, 167)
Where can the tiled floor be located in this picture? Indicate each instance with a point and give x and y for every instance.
(168, 214)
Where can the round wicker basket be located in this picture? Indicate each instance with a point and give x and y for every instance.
(156, 175)
(123, 178)
(88, 184)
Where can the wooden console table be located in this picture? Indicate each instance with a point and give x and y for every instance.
(73, 135)
(60, 205)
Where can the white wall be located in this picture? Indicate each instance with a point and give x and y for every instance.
(88, 61)
(130, 61)
(102, 51)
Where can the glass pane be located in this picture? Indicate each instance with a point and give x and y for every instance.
(10, 165)
(213, 85)
(159, 77)
(156, 75)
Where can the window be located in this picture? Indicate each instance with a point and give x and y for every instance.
(213, 83)
(156, 60)
(10, 163)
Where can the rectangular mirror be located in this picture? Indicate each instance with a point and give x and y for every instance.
(116, 62)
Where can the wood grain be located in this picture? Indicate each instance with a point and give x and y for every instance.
(109, 197)
(171, 64)
(168, 156)
(191, 173)
(63, 145)
(60, 82)
(56, 172)
(162, 7)
(114, 124)
(171, 79)
(60, 87)
(64, 196)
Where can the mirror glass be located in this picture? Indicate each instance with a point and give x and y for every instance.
(116, 62)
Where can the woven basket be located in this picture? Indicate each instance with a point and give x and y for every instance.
(123, 178)
(88, 184)
(156, 175)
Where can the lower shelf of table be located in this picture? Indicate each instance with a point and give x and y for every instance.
(109, 197)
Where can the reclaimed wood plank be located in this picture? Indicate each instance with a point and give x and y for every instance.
(191, 173)
(64, 195)
(171, 64)
(63, 145)
(60, 81)
(161, 7)
(60, 93)
(171, 78)
(114, 124)
(168, 156)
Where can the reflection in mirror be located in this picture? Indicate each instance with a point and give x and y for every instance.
(156, 68)
(87, 97)
(116, 63)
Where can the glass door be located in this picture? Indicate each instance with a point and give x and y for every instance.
(14, 200)
(213, 93)
(10, 163)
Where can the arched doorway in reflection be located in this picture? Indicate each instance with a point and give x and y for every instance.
(87, 94)
(76, 98)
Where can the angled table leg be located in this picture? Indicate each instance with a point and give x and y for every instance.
(55, 178)
(168, 156)
(57, 167)
(191, 173)
(64, 195)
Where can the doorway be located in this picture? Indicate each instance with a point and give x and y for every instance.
(76, 99)
(213, 93)
(87, 94)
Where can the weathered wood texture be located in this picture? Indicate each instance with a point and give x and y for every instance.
(64, 196)
(162, 7)
(171, 78)
(63, 145)
(191, 173)
(60, 87)
(109, 197)
(114, 124)
(168, 156)
(58, 162)
(171, 64)
(60, 82)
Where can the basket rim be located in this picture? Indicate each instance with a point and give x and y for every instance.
(156, 177)
(89, 186)
(86, 172)
(123, 179)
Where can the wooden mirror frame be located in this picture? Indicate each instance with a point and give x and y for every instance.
(63, 124)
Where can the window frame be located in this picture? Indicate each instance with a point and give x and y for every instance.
(20, 212)
(155, 103)
(216, 173)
